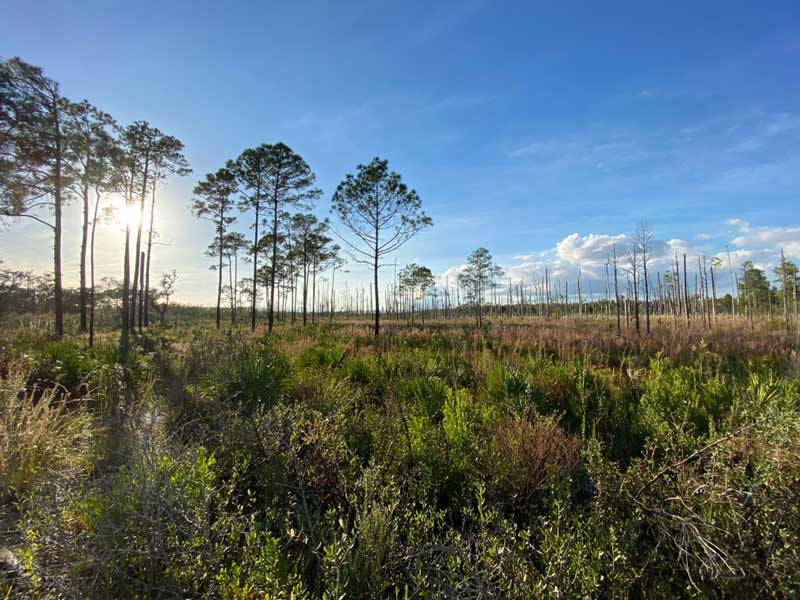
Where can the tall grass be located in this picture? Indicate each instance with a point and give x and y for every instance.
(42, 435)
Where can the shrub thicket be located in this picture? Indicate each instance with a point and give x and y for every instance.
(438, 463)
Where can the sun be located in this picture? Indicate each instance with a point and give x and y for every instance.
(126, 215)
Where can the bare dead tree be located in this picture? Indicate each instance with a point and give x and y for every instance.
(612, 260)
(643, 240)
(633, 255)
(686, 290)
(787, 315)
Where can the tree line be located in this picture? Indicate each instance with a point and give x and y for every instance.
(54, 150)
(274, 187)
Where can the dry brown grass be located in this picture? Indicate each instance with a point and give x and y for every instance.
(524, 454)
(570, 338)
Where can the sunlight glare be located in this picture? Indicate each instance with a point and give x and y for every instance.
(127, 215)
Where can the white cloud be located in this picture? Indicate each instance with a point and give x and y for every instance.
(739, 224)
(588, 254)
(773, 238)
(450, 276)
(589, 249)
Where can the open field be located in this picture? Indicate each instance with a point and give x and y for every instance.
(532, 458)
(399, 300)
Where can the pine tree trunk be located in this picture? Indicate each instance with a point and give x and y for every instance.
(314, 292)
(137, 265)
(305, 282)
(141, 291)
(126, 279)
(221, 229)
(616, 297)
(686, 290)
(787, 316)
(149, 253)
(375, 278)
(58, 299)
(84, 243)
(273, 268)
(92, 299)
(646, 296)
(255, 265)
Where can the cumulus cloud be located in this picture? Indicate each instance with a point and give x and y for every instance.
(527, 271)
(589, 254)
(773, 238)
(450, 276)
(588, 249)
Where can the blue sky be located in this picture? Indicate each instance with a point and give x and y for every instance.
(541, 131)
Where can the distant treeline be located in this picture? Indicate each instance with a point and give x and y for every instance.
(54, 150)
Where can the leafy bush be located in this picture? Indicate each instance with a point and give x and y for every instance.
(508, 387)
(460, 424)
(682, 397)
(161, 526)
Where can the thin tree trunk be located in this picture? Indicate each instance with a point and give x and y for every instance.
(149, 253)
(126, 278)
(646, 295)
(314, 291)
(714, 295)
(305, 280)
(84, 243)
(221, 227)
(375, 277)
(58, 297)
(787, 315)
(92, 299)
(126, 273)
(616, 294)
(255, 265)
(635, 291)
(137, 266)
(333, 292)
(231, 295)
(686, 289)
(273, 268)
(734, 291)
(141, 291)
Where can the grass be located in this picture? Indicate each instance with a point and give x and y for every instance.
(530, 459)
(41, 433)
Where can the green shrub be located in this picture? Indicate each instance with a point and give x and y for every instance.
(162, 526)
(427, 394)
(682, 398)
(257, 377)
(358, 371)
(509, 388)
(460, 425)
(324, 357)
